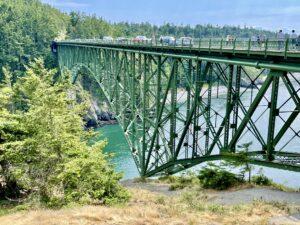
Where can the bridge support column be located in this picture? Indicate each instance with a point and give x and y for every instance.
(158, 105)
(236, 99)
(196, 102)
(228, 108)
(208, 108)
(144, 93)
(272, 115)
(174, 109)
(188, 105)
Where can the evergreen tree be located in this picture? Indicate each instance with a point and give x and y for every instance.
(44, 147)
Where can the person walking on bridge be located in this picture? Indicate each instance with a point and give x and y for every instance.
(280, 39)
(293, 38)
(298, 43)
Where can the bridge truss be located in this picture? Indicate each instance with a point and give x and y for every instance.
(182, 107)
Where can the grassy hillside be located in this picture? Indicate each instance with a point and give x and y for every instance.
(188, 208)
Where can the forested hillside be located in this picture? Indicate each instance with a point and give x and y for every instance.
(199, 31)
(29, 26)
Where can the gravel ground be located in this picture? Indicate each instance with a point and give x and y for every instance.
(234, 197)
(250, 194)
(153, 187)
(225, 197)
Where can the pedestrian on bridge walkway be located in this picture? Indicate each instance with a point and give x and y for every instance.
(293, 38)
(280, 39)
(298, 43)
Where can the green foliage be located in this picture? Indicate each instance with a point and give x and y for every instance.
(84, 26)
(241, 159)
(44, 148)
(199, 31)
(261, 180)
(216, 177)
(180, 182)
(27, 29)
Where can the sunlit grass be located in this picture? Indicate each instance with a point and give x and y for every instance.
(192, 207)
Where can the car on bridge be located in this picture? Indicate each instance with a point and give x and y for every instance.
(108, 39)
(167, 40)
(141, 39)
(121, 40)
(184, 41)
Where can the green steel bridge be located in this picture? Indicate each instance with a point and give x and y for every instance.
(182, 105)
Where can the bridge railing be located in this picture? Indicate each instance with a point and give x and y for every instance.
(212, 44)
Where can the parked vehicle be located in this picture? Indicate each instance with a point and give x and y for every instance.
(167, 40)
(121, 40)
(141, 39)
(184, 41)
(108, 39)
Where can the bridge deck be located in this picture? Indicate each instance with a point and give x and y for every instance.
(267, 52)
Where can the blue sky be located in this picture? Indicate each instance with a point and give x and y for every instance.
(267, 14)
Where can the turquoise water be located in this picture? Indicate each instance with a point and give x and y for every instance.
(117, 145)
(124, 162)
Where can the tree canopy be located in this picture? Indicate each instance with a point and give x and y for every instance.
(27, 29)
(44, 149)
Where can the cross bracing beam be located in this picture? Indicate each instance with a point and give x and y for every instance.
(178, 110)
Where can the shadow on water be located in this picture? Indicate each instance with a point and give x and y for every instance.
(117, 145)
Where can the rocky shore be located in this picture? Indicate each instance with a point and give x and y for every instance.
(99, 115)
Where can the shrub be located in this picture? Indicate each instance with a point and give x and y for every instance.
(180, 182)
(44, 147)
(261, 180)
(216, 177)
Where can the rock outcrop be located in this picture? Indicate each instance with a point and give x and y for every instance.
(99, 115)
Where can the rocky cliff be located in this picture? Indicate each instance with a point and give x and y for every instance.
(99, 114)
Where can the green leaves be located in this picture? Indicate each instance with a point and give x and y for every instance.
(27, 28)
(45, 146)
(216, 177)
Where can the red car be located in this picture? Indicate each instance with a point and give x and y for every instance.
(141, 39)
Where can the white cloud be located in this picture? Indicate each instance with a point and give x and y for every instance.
(69, 4)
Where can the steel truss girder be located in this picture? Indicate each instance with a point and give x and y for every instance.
(167, 132)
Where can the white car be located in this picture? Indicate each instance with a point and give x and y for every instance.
(108, 39)
(184, 41)
(121, 40)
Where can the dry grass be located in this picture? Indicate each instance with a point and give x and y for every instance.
(146, 208)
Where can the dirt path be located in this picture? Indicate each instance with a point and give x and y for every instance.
(232, 197)
(150, 186)
(250, 194)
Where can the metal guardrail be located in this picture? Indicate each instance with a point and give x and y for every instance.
(283, 48)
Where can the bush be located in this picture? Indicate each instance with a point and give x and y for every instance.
(261, 180)
(215, 177)
(180, 182)
(44, 148)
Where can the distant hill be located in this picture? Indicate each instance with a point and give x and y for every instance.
(198, 31)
